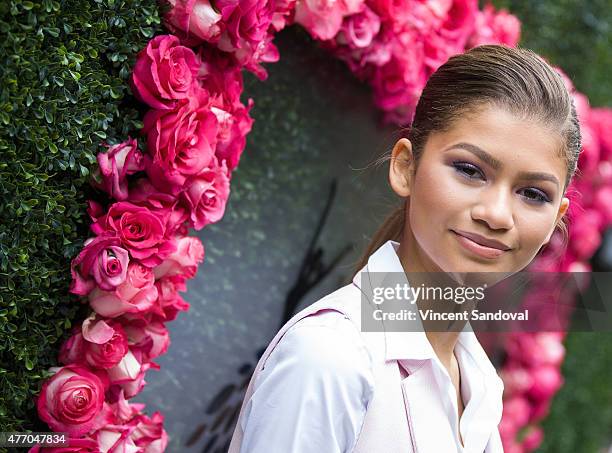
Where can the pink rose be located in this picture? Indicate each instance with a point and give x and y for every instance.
(323, 18)
(98, 343)
(72, 401)
(206, 195)
(115, 165)
(164, 72)
(102, 261)
(184, 261)
(105, 343)
(123, 373)
(142, 231)
(517, 410)
(533, 438)
(194, 21)
(517, 379)
(136, 295)
(181, 142)
(602, 201)
(282, 14)
(169, 302)
(358, 30)
(123, 410)
(495, 27)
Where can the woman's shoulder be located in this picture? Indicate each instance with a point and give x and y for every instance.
(325, 345)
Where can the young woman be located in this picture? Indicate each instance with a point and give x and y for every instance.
(482, 173)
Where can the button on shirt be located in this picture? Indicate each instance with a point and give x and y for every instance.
(313, 393)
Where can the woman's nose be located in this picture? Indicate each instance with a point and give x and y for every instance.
(494, 207)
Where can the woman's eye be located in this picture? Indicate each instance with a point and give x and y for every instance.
(536, 195)
(467, 170)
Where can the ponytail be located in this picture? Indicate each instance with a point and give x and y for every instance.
(391, 229)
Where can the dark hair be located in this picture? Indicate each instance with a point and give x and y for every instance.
(512, 78)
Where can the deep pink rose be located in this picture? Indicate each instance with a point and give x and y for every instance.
(495, 27)
(194, 21)
(115, 165)
(142, 231)
(102, 262)
(533, 438)
(600, 120)
(323, 18)
(547, 380)
(602, 201)
(184, 261)
(72, 401)
(223, 80)
(206, 195)
(585, 236)
(136, 295)
(181, 142)
(358, 30)
(164, 72)
(246, 35)
(164, 204)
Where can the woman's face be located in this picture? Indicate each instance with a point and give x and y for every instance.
(492, 175)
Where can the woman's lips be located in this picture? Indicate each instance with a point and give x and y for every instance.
(478, 249)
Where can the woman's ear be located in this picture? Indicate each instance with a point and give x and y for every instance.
(401, 167)
(563, 207)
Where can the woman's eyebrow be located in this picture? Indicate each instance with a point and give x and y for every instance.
(497, 164)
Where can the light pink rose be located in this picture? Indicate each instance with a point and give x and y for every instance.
(184, 261)
(206, 195)
(75, 445)
(164, 72)
(323, 18)
(495, 27)
(181, 142)
(194, 21)
(102, 262)
(141, 433)
(130, 387)
(142, 231)
(115, 165)
(358, 30)
(136, 295)
(283, 14)
(123, 410)
(148, 340)
(517, 379)
(546, 381)
(72, 401)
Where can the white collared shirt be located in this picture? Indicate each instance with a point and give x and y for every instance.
(313, 393)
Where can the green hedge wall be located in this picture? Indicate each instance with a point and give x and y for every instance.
(63, 72)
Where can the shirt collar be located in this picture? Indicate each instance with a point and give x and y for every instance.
(415, 345)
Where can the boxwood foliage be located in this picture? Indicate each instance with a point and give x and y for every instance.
(64, 67)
